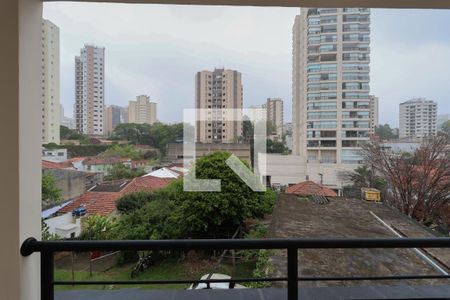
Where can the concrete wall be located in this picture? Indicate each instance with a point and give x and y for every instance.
(20, 119)
(175, 150)
(71, 183)
(284, 169)
(332, 174)
(291, 169)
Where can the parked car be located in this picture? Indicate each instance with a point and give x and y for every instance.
(215, 285)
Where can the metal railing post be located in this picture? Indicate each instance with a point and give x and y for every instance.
(47, 287)
(292, 272)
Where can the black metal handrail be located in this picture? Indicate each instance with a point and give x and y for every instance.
(48, 248)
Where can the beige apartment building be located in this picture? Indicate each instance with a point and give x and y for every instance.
(142, 111)
(418, 118)
(50, 83)
(275, 115)
(373, 104)
(214, 91)
(89, 90)
(331, 107)
(112, 117)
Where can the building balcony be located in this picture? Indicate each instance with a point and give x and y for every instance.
(292, 291)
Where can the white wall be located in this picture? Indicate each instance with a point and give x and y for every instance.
(291, 169)
(55, 224)
(20, 119)
(284, 169)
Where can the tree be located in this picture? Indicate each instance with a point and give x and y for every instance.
(120, 171)
(127, 151)
(276, 147)
(199, 214)
(154, 220)
(157, 135)
(419, 182)
(385, 132)
(97, 227)
(364, 176)
(210, 213)
(51, 195)
(65, 133)
(446, 127)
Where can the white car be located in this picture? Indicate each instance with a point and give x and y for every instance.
(215, 285)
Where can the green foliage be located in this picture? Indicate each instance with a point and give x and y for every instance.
(46, 235)
(258, 232)
(155, 220)
(157, 135)
(96, 227)
(51, 195)
(446, 127)
(130, 202)
(127, 151)
(276, 147)
(363, 176)
(206, 213)
(385, 132)
(120, 171)
(262, 268)
(66, 133)
(198, 214)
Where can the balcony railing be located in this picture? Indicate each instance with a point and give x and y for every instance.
(48, 248)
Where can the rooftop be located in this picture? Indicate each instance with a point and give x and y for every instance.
(310, 188)
(55, 165)
(103, 197)
(295, 218)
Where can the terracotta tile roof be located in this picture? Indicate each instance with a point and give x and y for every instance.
(104, 203)
(146, 184)
(55, 165)
(104, 160)
(309, 188)
(76, 159)
(101, 203)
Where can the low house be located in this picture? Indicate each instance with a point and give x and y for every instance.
(102, 198)
(103, 164)
(54, 155)
(164, 173)
(310, 188)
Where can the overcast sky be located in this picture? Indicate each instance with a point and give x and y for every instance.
(157, 49)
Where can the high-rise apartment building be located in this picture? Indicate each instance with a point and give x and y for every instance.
(142, 111)
(331, 107)
(112, 117)
(373, 104)
(275, 115)
(89, 90)
(214, 91)
(50, 83)
(418, 118)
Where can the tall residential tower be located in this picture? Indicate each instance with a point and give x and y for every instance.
(112, 117)
(50, 83)
(331, 109)
(89, 90)
(217, 90)
(418, 118)
(142, 111)
(275, 115)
